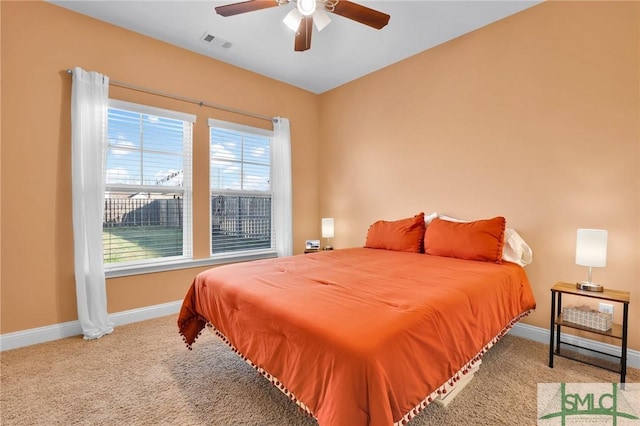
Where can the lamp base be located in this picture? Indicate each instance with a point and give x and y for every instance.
(587, 286)
(327, 248)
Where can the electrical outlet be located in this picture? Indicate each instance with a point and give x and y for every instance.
(607, 308)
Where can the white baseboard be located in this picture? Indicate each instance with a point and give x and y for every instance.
(72, 328)
(149, 312)
(541, 335)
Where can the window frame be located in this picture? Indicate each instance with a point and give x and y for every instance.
(169, 262)
(249, 254)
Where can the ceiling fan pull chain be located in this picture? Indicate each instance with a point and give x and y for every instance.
(330, 5)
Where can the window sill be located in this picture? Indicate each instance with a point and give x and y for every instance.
(149, 268)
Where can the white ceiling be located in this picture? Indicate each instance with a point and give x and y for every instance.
(344, 51)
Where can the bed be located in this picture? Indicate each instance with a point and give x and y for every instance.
(361, 336)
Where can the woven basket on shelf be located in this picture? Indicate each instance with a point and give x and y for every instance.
(587, 317)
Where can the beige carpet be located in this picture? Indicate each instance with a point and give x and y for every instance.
(142, 374)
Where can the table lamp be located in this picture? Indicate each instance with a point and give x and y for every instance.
(591, 251)
(327, 231)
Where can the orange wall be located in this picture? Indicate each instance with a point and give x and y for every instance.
(535, 118)
(39, 42)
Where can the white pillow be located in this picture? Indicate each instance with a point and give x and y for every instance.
(429, 217)
(515, 249)
(451, 219)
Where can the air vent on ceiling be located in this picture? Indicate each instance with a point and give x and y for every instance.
(212, 40)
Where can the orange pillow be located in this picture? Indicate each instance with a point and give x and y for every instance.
(479, 240)
(399, 235)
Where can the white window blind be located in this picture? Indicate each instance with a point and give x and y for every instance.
(240, 182)
(148, 185)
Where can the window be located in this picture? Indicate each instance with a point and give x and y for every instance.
(147, 216)
(240, 182)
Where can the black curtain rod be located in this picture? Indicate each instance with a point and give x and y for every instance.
(184, 99)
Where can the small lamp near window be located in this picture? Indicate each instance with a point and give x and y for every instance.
(327, 231)
(591, 251)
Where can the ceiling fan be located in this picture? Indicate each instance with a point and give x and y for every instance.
(309, 12)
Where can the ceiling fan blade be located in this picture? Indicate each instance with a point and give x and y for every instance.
(361, 14)
(244, 7)
(303, 35)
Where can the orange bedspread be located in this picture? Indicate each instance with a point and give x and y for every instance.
(359, 336)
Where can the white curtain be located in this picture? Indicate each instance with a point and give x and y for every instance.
(89, 107)
(281, 186)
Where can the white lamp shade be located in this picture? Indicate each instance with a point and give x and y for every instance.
(292, 20)
(307, 7)
(321, 19)
(591, 247)
(327, 227)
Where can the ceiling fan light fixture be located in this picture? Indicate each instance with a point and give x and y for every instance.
(306, 7)
(321, 19)
(308, 13)
(292, 20)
